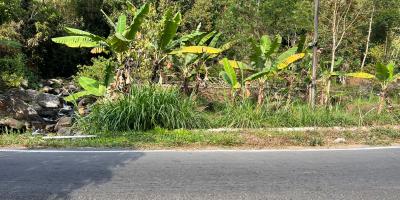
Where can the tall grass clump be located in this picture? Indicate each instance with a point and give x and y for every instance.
(244, 114)
(145, 108)
(302, 115)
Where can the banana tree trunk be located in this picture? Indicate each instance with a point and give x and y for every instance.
(247, 89)
(185, 86)
(382, 101)
(261, 96)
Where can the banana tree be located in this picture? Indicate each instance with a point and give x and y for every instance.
(266, 61)
(385, 75)
(195, 57)
(230, 77)
(117, 43)
(168, 41)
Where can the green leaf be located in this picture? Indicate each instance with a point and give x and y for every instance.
(226, 78)
(137, 22)
(206, 38)
(382, 72)
(215, 40)
(170, 28)
(362, 75)
(230, 71)
(258, 75)
(265, 44)
(121, 24)
(390, 68)
(76, 41)
(108, 19)
(88, 83)
(122, 38)
(276, 44)
(76, 96)
(197, 50)
(185, 38)
(77, 32)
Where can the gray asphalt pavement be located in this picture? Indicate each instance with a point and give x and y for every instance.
(308, 175)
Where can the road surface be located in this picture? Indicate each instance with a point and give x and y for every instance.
(350, 174)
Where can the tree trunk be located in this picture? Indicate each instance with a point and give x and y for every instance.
(261, 96)
(185, 86)
(313, 88)
(368, 39)
(382, 102)
(334, 47)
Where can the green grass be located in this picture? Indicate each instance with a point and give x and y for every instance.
(247, 115)
(145, 108)
(157, 138)
(186, 139)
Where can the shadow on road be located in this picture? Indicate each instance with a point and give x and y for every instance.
(56, 175)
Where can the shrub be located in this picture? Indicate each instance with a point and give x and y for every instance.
(145, 108)
(95, 71)
(14, 73)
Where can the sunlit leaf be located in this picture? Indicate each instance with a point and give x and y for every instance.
(197, 50)
(76, 41)
(121, 24)
(285, 63)
(362, 75)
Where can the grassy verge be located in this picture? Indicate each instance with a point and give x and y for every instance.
(184, 139)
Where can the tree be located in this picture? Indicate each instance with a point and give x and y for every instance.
(385, 75)
(343, 17)
(117, 43)
(266, 62)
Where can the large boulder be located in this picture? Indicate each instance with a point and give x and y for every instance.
(48, 100)
(35, 110)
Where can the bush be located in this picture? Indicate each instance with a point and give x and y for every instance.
(95, 71)
(145, 108)
(14, 73)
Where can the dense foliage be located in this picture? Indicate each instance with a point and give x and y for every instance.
(258, 50)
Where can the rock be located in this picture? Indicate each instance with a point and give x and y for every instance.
(33, 110)
(48, 100)
(38, 132)
(65, 131)
(13, 123)
(66, 110)
(48, 113)
(339, 141)
(47, 89)
(50, 128)
(63, 122)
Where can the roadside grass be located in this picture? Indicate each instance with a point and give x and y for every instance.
(201, 139)
(145, 108)
(155, 139)
(360, 112)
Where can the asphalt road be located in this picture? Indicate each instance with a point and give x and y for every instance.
(308, 175)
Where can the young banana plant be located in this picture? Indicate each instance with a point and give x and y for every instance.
(168, 41)
(267, 62)
(117, 43)
(385, 75)
(203, 49)
(229, 76)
